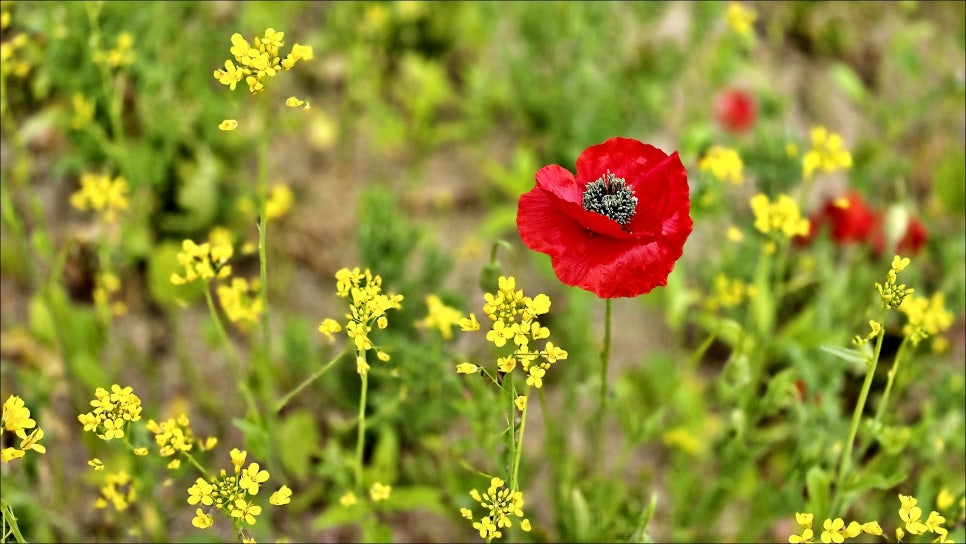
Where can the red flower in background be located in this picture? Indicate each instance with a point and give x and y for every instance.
(915, 237)
(618, 226)
(851, 219)
(735, 110)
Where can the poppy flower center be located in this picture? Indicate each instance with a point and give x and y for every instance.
(610, 196)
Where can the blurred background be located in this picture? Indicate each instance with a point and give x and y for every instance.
(427, 121)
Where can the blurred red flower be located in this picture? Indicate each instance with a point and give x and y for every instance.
(735, 110)
(850, 218)
(618, 226)
(915, 237)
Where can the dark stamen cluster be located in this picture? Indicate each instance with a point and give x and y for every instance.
(610, 196)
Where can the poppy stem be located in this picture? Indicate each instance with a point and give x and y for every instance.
(605, 359)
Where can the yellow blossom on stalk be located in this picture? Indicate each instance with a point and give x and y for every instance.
(728, 293)
(281, 497)
(724, 164)
(782, 216)
(83, 111)
(96, 464)
(101, 194)
(945, 499)
(734, 234)
(173, 436)
(260, 61)
(280, 200)
(234, 492)
(112, 412)
(834, 530)
(828, 153)
(379, 492)
(204, 262)
(16, 418)
(467, 368)
(740, 18)
(520, 402)
(441, 316)
(241, 301)
(347, 499)
(514, 318)
(876, 329)
(123, 52)
(926, 317)
(368, 307)
(118, 491)
(893, 293)
(295, 102)
(499, 503)
(228, 125)
(911, 515)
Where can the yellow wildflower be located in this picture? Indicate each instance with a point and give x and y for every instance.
(782, 216)
(827, 154)
(441, 316)
(724, 164)
(740, 18)
(101, 194)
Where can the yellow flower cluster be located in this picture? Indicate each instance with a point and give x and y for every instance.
(724, 164)
(379, 492)
(828, 153)
(367, 307)
(101, 194)
(16, 419)
(9, 63)
(233, 493)
(174, 436)
(514, 318)
(893, 293)
(83, 111)
(875, 328)
(241, 301)
(441, 316)
(107, 285)
(204, 261)
(499, 503)
(118, 491)
(728, 293)
(740, 18)
(927, 317)
(112, 412)
(121, 55)
(781, 216)
(259, 62)
(835, 530)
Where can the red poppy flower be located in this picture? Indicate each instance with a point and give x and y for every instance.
(914, 238)
(854, 222)
(618, 226)
(735, 111)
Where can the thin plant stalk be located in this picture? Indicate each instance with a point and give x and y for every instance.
(515, 474)
(232, 357)
(846, 461)
(602, 402)
(360, 437)
(880, 411)
(305, 383)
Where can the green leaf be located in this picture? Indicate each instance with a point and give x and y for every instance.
(818, 483)
(849, 82)
(415, 497)
(876, 480)
(338, 515)
(847, 354)
(581, 515)
(373, 531)
(163, 262)
(298, 432)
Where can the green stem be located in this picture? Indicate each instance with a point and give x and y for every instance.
(892, 376)
(10, 523)
(262, 235)
(360, 437)
(317, 374)
(194, 462)
(234, 362)
(846, 461)
(598, 425)
(515, 474)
